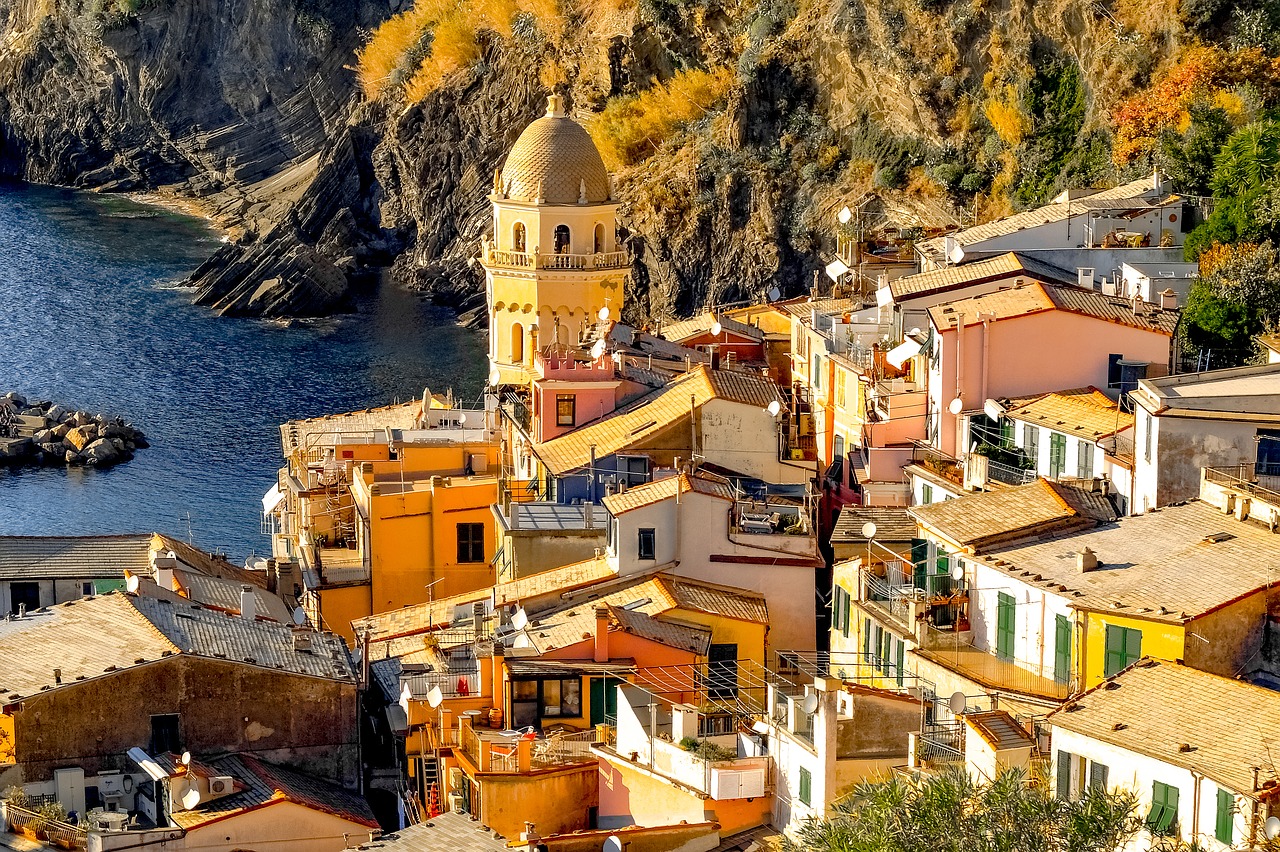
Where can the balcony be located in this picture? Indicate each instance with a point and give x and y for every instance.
(1260, 483)
(517, 753)
(563, 261)
(563, 364)
(951, 651)
(938, 463)
(919, 603)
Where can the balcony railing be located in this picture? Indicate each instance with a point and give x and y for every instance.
(941, 744)
(452, 684)
(529, 260)
(1261, 481)
(984, 667)
(61, 834)
(1009, 474)
(935, 460)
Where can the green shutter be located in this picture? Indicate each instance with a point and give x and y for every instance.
(1164, 808)
(1098, 777)
(902, 656)
(919, 558)
(1005, 615)
(866, 640)
(1062, 650)
(1057, 454)
(1113, 661)
(886, 651)
(1225, 829)
(1064, 775)
(806, 787)
(1132, 646)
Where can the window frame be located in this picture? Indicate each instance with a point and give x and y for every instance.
(1084, 459)
(1057, 454)
(1031, 443)
(1062, 649)
(1224, 828)
(467, 544)
(569, 416)
(1116, 644)
(177, 740)
(647, 535)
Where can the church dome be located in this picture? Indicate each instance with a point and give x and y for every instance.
(555, 162)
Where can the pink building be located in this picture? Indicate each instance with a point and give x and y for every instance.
(1034, 337)
(568, 392)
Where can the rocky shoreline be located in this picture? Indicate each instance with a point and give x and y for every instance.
(45, 433)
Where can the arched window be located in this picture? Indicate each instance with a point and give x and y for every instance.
(517, 343)
(562, 239)
(599, 241)
(517, 237)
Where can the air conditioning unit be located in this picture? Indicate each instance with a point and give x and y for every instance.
(221, 785)
(737, 783)
(457, 803)
(456, 778)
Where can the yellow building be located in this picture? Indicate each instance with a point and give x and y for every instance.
(553, 263)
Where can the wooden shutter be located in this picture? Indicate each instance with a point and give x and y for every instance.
(1064, 775)
(1005, 615)
(1225, 828)
(1113, 661)
(1132, 646)
(1098, 776)
(901, 661)
(919, 559)
(1062, 650)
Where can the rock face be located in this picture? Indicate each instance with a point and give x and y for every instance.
(43, 433)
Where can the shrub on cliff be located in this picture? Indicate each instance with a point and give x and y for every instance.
(629, 129)
(1236, 298)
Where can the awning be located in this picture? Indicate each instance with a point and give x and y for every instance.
(902, 353)
(272, 499)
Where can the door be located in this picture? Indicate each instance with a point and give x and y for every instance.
(25, 595)
(1005, 614)
(722, 670)
(604, 699)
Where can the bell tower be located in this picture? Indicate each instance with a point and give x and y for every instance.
(553, 262)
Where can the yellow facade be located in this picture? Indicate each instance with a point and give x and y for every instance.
(1159, 639)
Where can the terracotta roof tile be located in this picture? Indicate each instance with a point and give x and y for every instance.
(1037, 296)
(664, 489)
(980, 520)
(968, 274)
(1155, 708)
(553, 160)
(1089, 415)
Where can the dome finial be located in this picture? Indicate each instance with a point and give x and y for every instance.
(555, 106)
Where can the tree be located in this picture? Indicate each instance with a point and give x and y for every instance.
(1245, 174)
(952, 812)
(1236, 298)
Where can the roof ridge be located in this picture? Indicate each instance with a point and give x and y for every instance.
(131, 601)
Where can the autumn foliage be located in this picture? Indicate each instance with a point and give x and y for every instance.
(631, 128)
(1207, 73)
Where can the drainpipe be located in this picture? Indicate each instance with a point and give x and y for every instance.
(986, 348)
(959, 377)
(1196, 778)
(1253, 815)
(693, 432)
(591, 482)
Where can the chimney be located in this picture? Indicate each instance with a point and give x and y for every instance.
(273, 576)
(57, 675)
(248, 603)
(1086, 560)
(602, 635)
(301, 640)
(588, 513)
(1168, 299)
(163, 563)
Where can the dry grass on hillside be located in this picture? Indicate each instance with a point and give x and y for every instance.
(629, 129)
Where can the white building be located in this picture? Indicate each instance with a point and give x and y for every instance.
(1152, 280)
(1218, 419)
(1197, 749)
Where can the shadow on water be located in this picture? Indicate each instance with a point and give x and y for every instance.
(90, 316)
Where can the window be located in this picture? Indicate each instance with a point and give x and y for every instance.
(566, 409)
(1031, 443)
(86, 589)
(1057, 454)
(470, 542)
(1086, 460)
(840, 388)
(518, 237)
(598, 239)
(562, 239)
(1062, 650)
(25, 596)
(840, 611)
(1064, 775)
(806, 787)
(1164, 808)
(648, 544)
(900, 650)
(1098, 777)
(1124, 647)
(166, 737)
(1005, 615)
(886, 652)
(535, 700)
(1225, 828)
(517, 343)
(722, 670)
(1146, 435)
(926, 494)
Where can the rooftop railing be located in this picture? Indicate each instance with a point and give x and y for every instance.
(1261, 481)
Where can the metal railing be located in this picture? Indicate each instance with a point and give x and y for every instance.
(941, 744)
(1008, 474)
(63, 834)
(557, 260)
(1261, 481)
(452, 684)
(984, 667)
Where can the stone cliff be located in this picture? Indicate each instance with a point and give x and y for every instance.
(254, 110)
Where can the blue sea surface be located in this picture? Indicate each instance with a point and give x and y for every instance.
(91, 317)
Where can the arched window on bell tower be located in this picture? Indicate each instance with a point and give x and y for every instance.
(517, 343)
(562, 239)
(599, 238)
(518, 237)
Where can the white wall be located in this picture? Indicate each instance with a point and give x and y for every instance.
(1128, 770)
(744, 438)
(1180, 448)
(1034, 623)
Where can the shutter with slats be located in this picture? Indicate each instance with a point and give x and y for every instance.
(1064, 775)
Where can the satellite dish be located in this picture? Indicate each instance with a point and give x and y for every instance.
(810, 704)
(191, 799)
(844, 215)
(956, 405)
(462, 419)
(604, 314)
(914, 332)
(522, 641)
(131, 584)
(186, 758)
(494, 377)
(774, 294)
(597, 349)
(956, 702)
(774, 409)
(1271, 828)
(613, 843)
(520, 619)
(434, 697)
(957, 570)
(299, 616)
(868, 530)
(716, 328)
